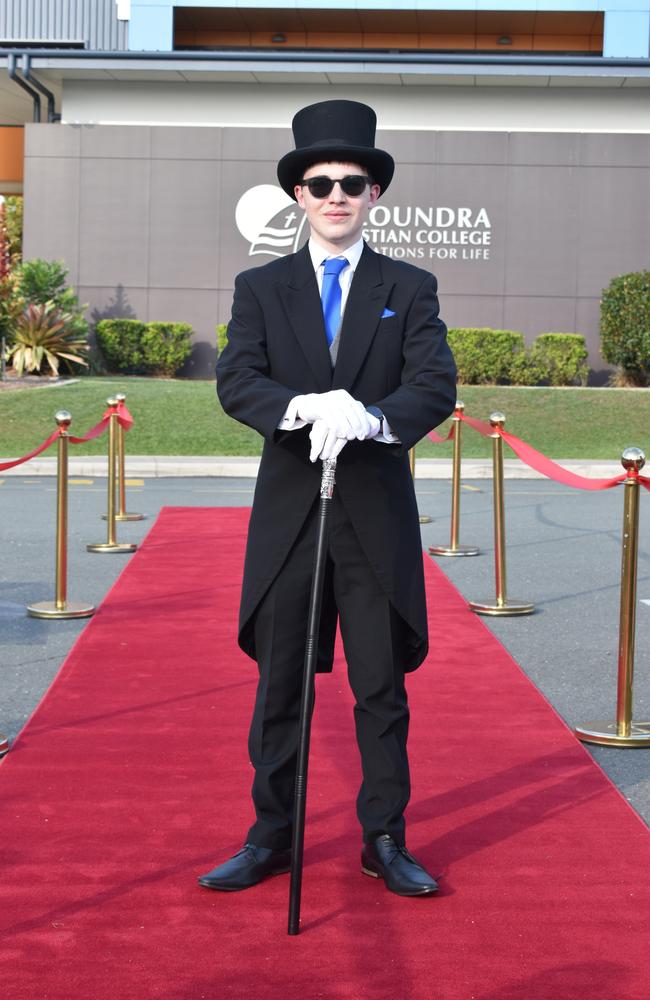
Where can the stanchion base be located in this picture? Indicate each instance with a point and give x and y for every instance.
(606, 734)
(117, 547)
(460, 550)
(4, 745)
(48, 609)
(125, 517)
(509, 607)
(424, 519)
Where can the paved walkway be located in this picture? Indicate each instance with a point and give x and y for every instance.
(154, 466)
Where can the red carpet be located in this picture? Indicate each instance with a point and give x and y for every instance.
(132, 777)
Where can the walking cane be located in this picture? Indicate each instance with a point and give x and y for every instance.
(307, 701)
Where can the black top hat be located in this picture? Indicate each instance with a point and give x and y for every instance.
(341, 131)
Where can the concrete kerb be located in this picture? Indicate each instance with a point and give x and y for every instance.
(188, 466)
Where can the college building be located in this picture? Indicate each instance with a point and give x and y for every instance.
(144, 136)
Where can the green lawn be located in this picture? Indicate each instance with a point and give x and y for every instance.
(183, 417)
(562, 423)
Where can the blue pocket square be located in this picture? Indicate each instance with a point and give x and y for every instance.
(386, 313)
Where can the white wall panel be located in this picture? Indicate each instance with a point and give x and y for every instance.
(525, 109)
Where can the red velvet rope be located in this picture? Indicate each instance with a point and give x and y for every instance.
(37, 451)
(438, 439)
(635, 474)
(540, 463)
(552, 470)
(479, 425)
(124, 418)
(93, 432)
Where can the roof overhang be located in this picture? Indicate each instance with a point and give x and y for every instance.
(331, 67)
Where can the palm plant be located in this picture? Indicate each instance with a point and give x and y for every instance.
(46, 334)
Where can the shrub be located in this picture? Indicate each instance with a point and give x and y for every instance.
(5, 256)
(166, 347)
(484, 356)
(222, 338)
(13, 205)
(41, 281)
(563, 356)
(44, 333)
(528, 369)
(625, 326)
(10, 306)
(138, 348)
(10, 302)
(120, 341)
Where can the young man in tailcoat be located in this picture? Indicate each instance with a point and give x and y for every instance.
(334, 351)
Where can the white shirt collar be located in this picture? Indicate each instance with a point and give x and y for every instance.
(318, 253)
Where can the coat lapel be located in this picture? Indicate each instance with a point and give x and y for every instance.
(304, 310)
(366, 301)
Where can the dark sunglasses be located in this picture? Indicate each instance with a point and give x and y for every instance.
(352, 185)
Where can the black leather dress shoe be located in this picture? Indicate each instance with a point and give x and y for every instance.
(248, 867)
(402, 874)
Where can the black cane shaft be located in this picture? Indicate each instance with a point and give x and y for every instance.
(306, 705)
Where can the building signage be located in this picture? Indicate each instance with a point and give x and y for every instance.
(270, 221)
(273, 225)
(415, 233)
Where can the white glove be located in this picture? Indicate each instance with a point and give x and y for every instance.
(324, 442)
(344, 415)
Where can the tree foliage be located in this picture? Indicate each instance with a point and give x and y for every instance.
(625, 326)
(13, 205)
(10, 303)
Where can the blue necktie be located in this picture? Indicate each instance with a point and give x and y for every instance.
(331, 295)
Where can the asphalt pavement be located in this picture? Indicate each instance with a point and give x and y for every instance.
(563, 555)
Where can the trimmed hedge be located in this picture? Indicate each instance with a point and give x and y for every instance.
(527, 369)
(120, 341)
(222, 336)
(166, 346)
(484, 356)
(138, 348)
(625, 326)
(562, 357)
(495, 357)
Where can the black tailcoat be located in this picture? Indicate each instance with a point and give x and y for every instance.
(393, 354)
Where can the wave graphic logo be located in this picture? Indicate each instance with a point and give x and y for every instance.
(270, 220)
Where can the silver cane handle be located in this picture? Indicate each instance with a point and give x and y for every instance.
(328, 479)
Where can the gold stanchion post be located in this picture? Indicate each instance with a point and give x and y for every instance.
(111, 544)
(624, 732)
(454, 549)
(424, 518)
(122, 514)
(501, 605)
(60, 607)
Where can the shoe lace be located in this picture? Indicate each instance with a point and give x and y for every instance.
(394, 850)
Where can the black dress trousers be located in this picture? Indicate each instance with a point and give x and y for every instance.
(372, 637)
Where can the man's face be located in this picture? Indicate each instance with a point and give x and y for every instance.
(336, 220)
